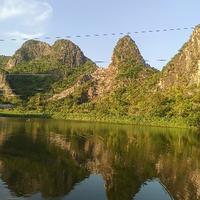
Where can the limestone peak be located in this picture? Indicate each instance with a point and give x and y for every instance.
(126, 49)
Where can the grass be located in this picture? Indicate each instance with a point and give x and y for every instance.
(156, 122)
(19, 114)
(92, 117)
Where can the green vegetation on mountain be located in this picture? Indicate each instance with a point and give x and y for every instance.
(3, 61)
(61, 81)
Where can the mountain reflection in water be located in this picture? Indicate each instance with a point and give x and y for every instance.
(48, 159)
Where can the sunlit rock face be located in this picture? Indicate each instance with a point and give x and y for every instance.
(125, 50)
(184, 69)
(67, 53)
(29, 51)
(5, 89)
(103, 81)
(62, 52)
(39, 57)
(2, 79)
(126, 57)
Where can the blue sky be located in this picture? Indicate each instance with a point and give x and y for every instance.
(39, 18)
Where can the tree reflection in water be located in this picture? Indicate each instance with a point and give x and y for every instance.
(50, 158)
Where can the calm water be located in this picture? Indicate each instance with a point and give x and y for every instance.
(59, 160)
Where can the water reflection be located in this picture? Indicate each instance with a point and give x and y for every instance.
(47, 159)
(152, 190)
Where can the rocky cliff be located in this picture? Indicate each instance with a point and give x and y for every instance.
(5, 89)
(126, 50)
(128, 86)
(67, 53)
(29, 51)
(126, 58)
(63, 52)
(184, 69)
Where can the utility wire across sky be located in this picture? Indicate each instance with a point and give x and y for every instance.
(103, 61)
(101, 35)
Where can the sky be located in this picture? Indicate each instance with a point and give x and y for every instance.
(60, 18)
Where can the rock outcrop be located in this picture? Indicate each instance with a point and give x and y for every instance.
(63, 52)
(126, 50)
(29, 51)
(67, 53)
(128, 84)
(126, 56)
(184, 69)
(5, 89)
(104, 80)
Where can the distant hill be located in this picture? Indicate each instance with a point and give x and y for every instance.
(60, 79)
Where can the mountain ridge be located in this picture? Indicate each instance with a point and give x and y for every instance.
(127, 87)
(187, 61)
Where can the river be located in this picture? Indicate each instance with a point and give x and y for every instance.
(66, 160)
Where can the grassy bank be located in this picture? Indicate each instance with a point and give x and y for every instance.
(92, 117)
(159, 122)
(20, 114)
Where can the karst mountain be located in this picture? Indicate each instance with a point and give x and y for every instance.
(60, 78)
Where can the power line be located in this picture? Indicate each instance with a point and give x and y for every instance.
(149, 31)
(150, 60)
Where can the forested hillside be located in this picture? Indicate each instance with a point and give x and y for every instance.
(60, 79)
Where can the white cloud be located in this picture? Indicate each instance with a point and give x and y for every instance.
(22, 19)
(9, 9)
(29, 11)
(46, 13)
(22, 35)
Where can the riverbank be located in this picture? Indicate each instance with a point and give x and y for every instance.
(91, 117)
(19, 114)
